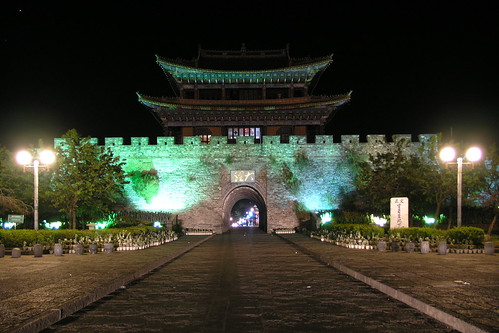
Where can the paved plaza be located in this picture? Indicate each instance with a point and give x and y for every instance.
(249, 281)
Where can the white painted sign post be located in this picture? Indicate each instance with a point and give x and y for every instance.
(399, 212)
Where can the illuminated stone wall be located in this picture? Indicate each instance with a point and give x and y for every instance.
(193, 179)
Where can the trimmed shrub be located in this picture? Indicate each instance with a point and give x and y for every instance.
(24, 237)
(47, 238)
(461, 235)
(364, 230)
(468, 236)
(417, 234)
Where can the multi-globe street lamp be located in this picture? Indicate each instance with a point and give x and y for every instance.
(41, 160)
(448, 155)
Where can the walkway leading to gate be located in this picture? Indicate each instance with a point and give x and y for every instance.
(245, 281)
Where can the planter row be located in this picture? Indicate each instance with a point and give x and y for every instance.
(423, 247)
(37, 250)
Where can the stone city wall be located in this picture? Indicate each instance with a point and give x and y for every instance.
(193, 180)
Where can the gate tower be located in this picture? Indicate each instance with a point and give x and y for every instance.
(244, 126)
(243, 96)
(243, 93)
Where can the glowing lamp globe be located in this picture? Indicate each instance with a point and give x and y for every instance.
(47, 157)
(24, 157)
(474, 154)
(448, 154)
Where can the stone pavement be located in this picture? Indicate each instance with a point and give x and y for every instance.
(461, 290)
(457, 289)
(243, 282)
(37, 292)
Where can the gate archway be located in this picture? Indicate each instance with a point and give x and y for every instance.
(244, 193)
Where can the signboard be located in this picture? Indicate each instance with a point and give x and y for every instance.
(242, 176)
(399, 213)
(18, 219)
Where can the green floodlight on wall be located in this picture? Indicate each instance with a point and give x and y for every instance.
(429, 220)
(381, 221)
(326, 217)
(52, 225)
(167, 202)
(9, 225)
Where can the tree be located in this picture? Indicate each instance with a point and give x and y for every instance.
(420, 176)
(436, 182)
(488, 195)
(9, 199)
(386, 175)
(87, 180)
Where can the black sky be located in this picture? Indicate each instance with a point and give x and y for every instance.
(414, 67)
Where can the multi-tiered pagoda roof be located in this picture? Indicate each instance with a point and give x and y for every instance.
(250, 88)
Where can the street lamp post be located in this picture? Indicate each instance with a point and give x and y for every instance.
(42, 160)
(448, 154)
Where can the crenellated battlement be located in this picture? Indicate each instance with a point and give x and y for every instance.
(371, 139)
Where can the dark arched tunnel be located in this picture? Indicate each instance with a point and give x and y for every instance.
(250, 195)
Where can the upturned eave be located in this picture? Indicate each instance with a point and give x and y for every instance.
(166, 103)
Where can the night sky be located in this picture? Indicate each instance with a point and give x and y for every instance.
(414, 67)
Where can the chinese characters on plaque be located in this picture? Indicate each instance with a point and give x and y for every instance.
(399, 213)
(242, 176)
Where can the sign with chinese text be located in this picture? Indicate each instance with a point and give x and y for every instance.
(399, 213)
(242, 176)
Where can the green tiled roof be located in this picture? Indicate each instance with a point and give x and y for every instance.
(293, 74)
(291, 103)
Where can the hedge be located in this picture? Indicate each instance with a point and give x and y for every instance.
(47, 238)
(457, 235)
(462, 234)
(416, 234)
(365, 230)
